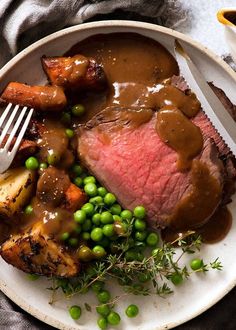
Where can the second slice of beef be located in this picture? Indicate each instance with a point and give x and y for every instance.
(123, 150)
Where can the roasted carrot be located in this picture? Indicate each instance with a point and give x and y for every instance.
(74, 198)
(74, 73)
(41, 98)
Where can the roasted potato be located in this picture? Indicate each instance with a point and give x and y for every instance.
(16, 187)
(35, 252)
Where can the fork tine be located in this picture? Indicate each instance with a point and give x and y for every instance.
(22, 132)
(5, 113)
(15, 128)
(8, 124)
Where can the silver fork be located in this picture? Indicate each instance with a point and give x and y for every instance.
(10, 122)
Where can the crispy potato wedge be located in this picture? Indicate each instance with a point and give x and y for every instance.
(35, 252)
(16, 186)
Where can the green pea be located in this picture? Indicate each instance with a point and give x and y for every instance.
(126, 215)
(88, 208)
(106, 217)
(90, 189)
(132, 311)
(176, 278)
(66, 118)
(102, 323)
(85, 254)
(139, 212)
(78, 110)
(73, 241)
(53, 157)
(120, 228)
(32, 163)
(108, 230)
(115, 209)
(43, 166)
(89, 179)
(103, 310)
(104, 296)
(99, 252)
(152, 239)
(140, 225)
(80, 216)
(69, 133)
(109, 199)
(87, 225)
(33, 277)
(28, 209)
(97, 234)
(96, 219)
(113, 318)
(65, 236)
(140, 235)
(75, 312)
(196, 264)
(97, 286)
(78, 182)
(77, 170)
(116, 218)
(86, 236)
(98, 200)
(102, 191)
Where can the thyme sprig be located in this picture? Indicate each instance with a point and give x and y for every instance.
(151, 275)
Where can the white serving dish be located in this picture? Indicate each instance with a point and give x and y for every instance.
(194, 296)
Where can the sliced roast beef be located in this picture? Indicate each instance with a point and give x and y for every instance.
(129, 158)
(225, 154)
(123, 150)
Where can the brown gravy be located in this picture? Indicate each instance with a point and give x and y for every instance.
(212, 232)
(52, 186)
(133, 64)
(200, 203)
(129, 57)
(137, 70)
(170, 95)
(175, 129)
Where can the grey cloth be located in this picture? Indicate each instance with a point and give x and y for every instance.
(25, 21)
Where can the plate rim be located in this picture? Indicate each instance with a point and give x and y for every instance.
(9, 292)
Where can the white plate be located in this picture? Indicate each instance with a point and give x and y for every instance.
(196, 294)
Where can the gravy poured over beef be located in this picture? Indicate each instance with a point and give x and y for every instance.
(174, 128)
(144, 137)
(138, 79)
